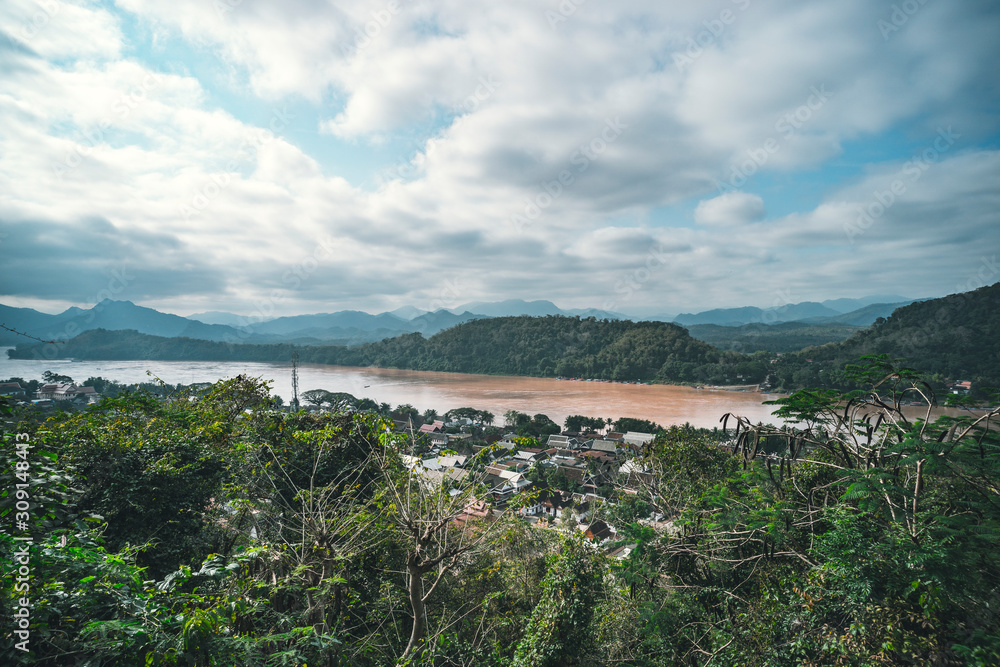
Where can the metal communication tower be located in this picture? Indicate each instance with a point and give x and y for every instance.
(295, 380)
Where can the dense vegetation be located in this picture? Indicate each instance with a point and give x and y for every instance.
(207, 528)
(783, 337)
(952, 338)
(540, 346)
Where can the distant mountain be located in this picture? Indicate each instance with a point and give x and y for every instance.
(734, 317)
(861, 317)
(847, 305)
(781, 338)
(954, 337)
(356, 327)
(509, 308)
(348, 327)
(407, 312)
(26, 320)
(344, 319)
(429, 324)
(730, 317)
(950, 339)
(113, 315)
(598, 314)
(225, 319)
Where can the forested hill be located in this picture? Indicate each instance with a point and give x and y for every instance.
(956, 338)
(538, 346)
(557, 346)
(953, 338)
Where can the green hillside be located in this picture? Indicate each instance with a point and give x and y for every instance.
(556, 346)
(949, 339)
(537, 346)
(955, 338)
(782, 337)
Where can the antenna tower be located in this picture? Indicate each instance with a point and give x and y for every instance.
(295, 380)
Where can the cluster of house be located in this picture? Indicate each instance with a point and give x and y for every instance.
(960, 388)
(48, 394)
(588, 462)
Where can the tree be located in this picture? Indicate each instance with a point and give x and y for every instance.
(514, 419)
(855, 520)
(407, 412)
(425, 514)
(539, 426)
(341, 401)
(625, 424)
(558, 632)
(316, 397)
(49, 376)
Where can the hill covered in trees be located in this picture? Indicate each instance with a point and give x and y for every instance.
(949, 339)
(955, 338)
(557, 346)
(537, 346)
(782, 337)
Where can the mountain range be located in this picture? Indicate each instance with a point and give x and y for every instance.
(950, 339)
(352, 327)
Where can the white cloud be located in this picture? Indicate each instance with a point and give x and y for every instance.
(89, 130)
(730, 209)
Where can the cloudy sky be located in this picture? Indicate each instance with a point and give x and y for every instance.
(642, 156)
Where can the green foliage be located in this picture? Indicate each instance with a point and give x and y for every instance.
(783, 337)
(579, 423)
(559, 630)
(538, 346)
(949, 338)
(626, 424)
(231, 533)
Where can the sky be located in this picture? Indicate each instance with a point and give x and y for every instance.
(641, 156)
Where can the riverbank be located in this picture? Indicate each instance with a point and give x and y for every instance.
(663, 404)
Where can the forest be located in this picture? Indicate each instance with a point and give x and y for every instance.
(539, 346)
(948, 339)
(951, 338)
(205, 527)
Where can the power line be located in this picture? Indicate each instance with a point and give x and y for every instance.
(21, 333)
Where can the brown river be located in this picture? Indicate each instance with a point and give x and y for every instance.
(663, 404)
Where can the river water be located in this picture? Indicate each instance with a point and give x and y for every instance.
(663, 404)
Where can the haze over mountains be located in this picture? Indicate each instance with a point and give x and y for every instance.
(355, 327)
